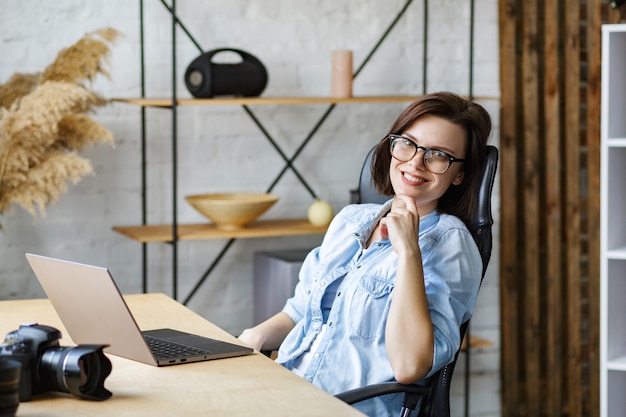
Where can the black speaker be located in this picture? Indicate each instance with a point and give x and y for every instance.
(205, 78)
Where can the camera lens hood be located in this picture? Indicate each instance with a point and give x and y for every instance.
(79, 370)
(85, 369)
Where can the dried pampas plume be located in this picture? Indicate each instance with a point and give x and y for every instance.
(44, 124)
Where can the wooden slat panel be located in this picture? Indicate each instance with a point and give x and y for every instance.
(554, 207)
(550, 212)
(593, 46)
(509, 215)
(531, 74)
(572, 213)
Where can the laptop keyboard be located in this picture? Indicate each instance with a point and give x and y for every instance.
(166, 349)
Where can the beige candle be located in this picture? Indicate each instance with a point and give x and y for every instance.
(342, 74)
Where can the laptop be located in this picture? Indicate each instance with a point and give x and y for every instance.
(93, 311)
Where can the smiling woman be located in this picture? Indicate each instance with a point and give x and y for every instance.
(389, 287)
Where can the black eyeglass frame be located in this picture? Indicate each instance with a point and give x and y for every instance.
(394, 138)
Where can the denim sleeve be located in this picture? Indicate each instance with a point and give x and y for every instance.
(452, 271)
(296, 305)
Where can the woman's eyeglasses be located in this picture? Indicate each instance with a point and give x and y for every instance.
(436, 161)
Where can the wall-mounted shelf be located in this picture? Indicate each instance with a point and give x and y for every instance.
(247, 101)
(205, 231)
(175, 231)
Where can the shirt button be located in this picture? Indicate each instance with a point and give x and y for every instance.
(317, 355)
(358, 266)
(330, 324)
(380, 244)
(323, 283)
(357, 234)
(339, 293)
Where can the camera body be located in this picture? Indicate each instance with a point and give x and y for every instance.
(46, 365)
(26, 345)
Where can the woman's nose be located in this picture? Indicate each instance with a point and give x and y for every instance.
(418, 160)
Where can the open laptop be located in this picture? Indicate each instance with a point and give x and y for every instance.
(93, 311)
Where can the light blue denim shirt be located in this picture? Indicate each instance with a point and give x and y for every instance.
(352, 351)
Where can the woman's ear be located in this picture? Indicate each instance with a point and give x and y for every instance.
(459, 178)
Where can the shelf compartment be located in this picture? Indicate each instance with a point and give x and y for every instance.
(207, 231)
(615, 198)
(614, 386)
(615, 307)
(615, 67)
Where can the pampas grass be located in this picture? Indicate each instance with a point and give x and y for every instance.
(44, 124)
(18, 86)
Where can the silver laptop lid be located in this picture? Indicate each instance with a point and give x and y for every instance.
(91, 306)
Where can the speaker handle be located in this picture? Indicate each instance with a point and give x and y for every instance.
(245, 56)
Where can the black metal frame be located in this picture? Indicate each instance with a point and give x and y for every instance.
(176, 22)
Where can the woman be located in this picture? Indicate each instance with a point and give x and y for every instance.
(383, 297)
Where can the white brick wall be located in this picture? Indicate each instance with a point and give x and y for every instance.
(294, 39)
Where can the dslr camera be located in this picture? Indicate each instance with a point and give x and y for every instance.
(47, 366)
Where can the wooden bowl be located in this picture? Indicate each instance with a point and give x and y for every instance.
(231, 211)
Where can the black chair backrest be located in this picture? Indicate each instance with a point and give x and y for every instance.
(366, 193)
(436, 403)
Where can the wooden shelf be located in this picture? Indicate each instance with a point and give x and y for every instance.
(206, 231)
(475, 342)
(222, 101)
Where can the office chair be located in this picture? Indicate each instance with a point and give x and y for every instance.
(435, 394)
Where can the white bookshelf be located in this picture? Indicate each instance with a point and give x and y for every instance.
(613, 223)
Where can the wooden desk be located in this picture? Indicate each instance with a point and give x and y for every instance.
(250, 385)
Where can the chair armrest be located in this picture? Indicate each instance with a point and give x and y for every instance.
(375, 390)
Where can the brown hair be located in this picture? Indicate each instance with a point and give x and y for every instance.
(458, 200)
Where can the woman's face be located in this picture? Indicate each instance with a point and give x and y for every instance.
(411, 178)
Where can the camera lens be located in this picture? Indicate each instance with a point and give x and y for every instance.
(9, 386)
(79, 370)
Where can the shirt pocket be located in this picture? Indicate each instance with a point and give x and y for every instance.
(369, 306)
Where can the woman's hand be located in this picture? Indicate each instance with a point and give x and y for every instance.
(252, 338)
(269, 334)
(401, 224)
